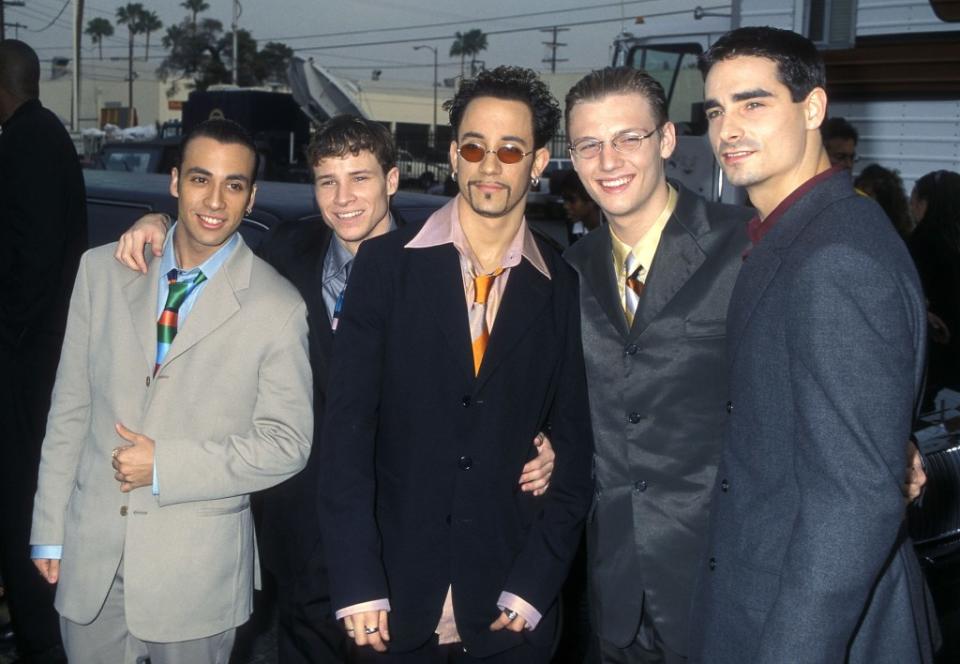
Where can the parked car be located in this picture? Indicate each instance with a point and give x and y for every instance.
(116, 199)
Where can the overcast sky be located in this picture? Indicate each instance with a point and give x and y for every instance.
(309, 25)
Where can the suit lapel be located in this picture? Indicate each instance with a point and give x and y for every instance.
(677, 257)
(141, 294)
(216, 304)
(592, 256)
(527, 293)
(442, 287)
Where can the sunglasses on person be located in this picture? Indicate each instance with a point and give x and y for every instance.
(507, 154)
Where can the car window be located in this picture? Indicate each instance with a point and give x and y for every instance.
(130, 162)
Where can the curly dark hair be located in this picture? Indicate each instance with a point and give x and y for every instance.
(348, 133)
(515, 84)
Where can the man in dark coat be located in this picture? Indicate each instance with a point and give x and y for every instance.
(459, 342)
(44, 216)
(656, 369)
(808, 557)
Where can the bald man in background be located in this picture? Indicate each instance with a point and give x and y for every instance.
(43, 217)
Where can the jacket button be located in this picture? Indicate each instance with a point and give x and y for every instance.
(729, 406)
(447, 519)
(465, 463)
(724, 485)
(640, 486)
(148, 381)
(632, 349)
(123, 510)
(712, 564)
(465, 401)
(634, 417)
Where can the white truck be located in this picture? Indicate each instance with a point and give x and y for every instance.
(893, 71)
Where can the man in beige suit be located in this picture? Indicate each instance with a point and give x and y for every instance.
(179, 393)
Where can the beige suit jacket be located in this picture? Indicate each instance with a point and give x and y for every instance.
(230, 411)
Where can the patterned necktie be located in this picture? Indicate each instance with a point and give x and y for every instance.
(167, 323)
(479, 332)
(633, 287)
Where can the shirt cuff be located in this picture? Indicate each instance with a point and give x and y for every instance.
(374, 605)
(156, 482)
(511, 602)
(46, 552)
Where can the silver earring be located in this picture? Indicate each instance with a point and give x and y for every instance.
(535, 180)
(453, 175)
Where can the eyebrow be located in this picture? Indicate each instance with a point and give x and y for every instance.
(738, 96)
(203, 171)
(506, 139)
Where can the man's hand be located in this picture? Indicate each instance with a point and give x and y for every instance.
(149, 229)
(49, 569)
(368, 628)
(134, 461)
(514, 624)
(538, 471)
(915, 478)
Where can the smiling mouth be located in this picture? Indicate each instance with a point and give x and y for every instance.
(347, 216)
(210, 222)
(616, 183)
(733, 156)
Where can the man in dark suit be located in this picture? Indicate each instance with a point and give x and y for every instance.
(355, 175)
(808, 556)
(44, 215)
(458, 342)
(655, 362)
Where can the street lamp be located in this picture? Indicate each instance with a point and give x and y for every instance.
(434, 130)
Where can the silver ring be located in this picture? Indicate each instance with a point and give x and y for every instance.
(370, 630)
(511, 615)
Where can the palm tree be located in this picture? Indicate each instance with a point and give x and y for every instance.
(150, 22)
(98, 28)
(469, 43)
(131, 15)
(194, 7)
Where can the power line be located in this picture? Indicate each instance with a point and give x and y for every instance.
(498, 32)
(59, 14)
(447, 24)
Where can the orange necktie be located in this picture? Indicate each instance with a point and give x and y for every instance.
(479, 331)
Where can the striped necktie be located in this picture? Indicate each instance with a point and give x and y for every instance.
(633, 287)
(479, 332)
(167, 323)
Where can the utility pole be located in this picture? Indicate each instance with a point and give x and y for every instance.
(236, 23)
(3, 24)
(433, 129)
(553, 45)
(16, 29)
(77, 35)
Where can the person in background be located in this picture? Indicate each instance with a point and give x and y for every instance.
(43, 212)
(583, 213)
(840, 140)
(935, 248)
(886, 188)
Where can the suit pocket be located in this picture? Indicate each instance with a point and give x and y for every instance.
(224, 508)
(705, 329)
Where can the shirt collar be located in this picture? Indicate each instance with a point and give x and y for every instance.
(757, 228)
(209, 267)
(646, 248)
(443, 227)
(338, 257)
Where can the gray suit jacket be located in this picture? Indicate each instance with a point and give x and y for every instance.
(656, 399)
(808, 558)
(230, 412)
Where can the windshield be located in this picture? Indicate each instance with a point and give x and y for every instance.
(675, 67)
